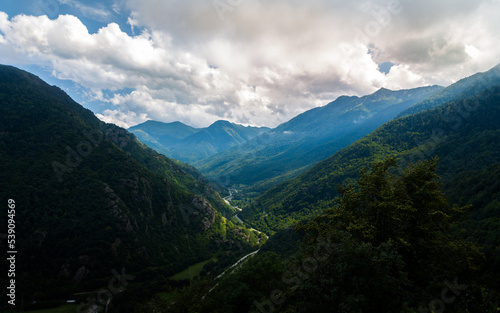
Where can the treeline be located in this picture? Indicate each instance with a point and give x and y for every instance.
(390, 243)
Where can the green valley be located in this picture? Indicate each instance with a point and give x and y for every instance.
(386, 198)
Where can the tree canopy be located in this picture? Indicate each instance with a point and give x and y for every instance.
(394, 242)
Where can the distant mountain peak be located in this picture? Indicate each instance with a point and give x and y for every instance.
(382, 91)
(344, 97)
(178, 123)
(153, 122)
(221, 123)
(189, 144)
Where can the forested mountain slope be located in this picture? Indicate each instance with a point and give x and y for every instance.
(308, 138)
(463, 88)
(392, 243)
(91, 198)
(464, 134)
(189, 144)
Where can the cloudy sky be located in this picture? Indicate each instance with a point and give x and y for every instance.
(252, 62)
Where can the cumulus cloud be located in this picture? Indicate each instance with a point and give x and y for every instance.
(121, 118)
(255, 62)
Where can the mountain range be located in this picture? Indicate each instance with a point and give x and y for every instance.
(445, 152)
(188, 144)
(308, 138)
(461, 128)
(236, 156)
(92, 199)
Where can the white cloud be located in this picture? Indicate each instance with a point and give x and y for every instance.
(264, 62)
(122, 119)
(401, 77)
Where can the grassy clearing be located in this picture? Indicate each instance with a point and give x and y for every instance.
(192, 271)
(234, 220)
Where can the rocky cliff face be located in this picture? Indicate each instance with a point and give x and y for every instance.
(205, 212)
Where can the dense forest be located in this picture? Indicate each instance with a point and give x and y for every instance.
(404, 219)
(390, 243)
(92, 199)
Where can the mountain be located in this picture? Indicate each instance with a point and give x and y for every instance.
(463, 88)
(393, 239)
(160, 136)
(189, 144)
(168, 133)
(464, 134)
(308, 138)
(333, 268)
(390, 245)
(91, 199)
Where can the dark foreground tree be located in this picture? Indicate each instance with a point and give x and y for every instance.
(393, 247)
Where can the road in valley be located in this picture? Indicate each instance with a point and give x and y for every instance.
(228, 201)
(238, 262)
(229, 269)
